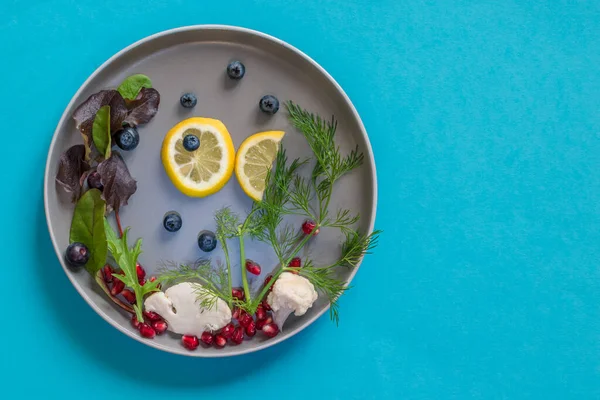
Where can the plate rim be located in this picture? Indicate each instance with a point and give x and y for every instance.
(64, 117)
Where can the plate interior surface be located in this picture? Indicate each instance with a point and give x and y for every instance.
(194, 59)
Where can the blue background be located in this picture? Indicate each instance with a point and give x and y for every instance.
(485, 122)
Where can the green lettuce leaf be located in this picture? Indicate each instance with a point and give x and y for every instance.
(131, 86)
(87, 227)
(101, 131)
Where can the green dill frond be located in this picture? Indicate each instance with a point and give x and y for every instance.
(344, 221)
(227, 224)
(325, 281)
(356, 246)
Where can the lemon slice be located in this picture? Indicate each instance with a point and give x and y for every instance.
(254, 159)
(206, 170)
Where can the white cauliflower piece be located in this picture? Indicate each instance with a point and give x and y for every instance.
(179, 306)
(291, 293)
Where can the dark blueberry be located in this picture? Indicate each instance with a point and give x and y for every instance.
(172, 221)
(188, 100)
(191, 142)
(127, 138)
(269, 104)
(77, 254)
(207, 241)
(94, 181)
(236, 70)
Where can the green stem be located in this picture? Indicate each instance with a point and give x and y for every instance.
(243, 266)
(228, 263)
(139, 298)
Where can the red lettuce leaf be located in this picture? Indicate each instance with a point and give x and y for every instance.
(117, 181)
(143, 108)
(71, 167)
(86, 112)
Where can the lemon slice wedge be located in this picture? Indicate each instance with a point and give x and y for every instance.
(254, 159)
(207, 169)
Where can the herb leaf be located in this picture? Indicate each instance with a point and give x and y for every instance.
(71, 167)
(101, 131)
(132, 85)
(117, 181)
(126, 257)
(144, 107)
(87, 227)
(85, 113)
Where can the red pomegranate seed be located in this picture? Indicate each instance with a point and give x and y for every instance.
(251, 329)
(147, 331)
(159, 326)
(271, 330)
(135, 322)
(266, 305)
(128, 295)
(237, 293)
(220, 341)
(117, 288)
(253, 267)
(238, 335)
(236, 313)
(227, 331)
(308, 226)
(107, 272)
(207, 338)
(244, 318)
(142, 282)
(152, 316)
(295, 263)
(190, 342)
(141, 273)
(261, 313)
(261, 323)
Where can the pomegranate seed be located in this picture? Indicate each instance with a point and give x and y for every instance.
(220, 341)
(152, 316)
(141, 273)
(146, 330)
(261, 323)
(152, 278)
(266, 305)
(236, 313)
(244, 318)
(107, 272)
(295, 263)
(253, 267)
(238, 335)
(271, 330)
(159, 326)
(128, 295)
(251, 329)
(237, 293)
(227, 331)
(207, 338)
(190, 342)
(308, 226)
(135, 322)
(261, 313)
(117, 288)
(142, 282)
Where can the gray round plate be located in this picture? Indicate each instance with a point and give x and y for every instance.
(193, 59)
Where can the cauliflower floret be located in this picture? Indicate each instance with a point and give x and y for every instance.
(179, 306)
(291, 293)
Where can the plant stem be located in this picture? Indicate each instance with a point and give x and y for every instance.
(243, 267)
(119, 223)
(228, 263)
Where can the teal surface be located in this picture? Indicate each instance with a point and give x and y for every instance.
(485, 122)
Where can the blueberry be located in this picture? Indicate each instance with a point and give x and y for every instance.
(191, 142)
(127, 138)
(172, 221)
(236, 70)
(94, 181)
(188, 100)
(207, 241)
(77, 254)
(269, 104)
